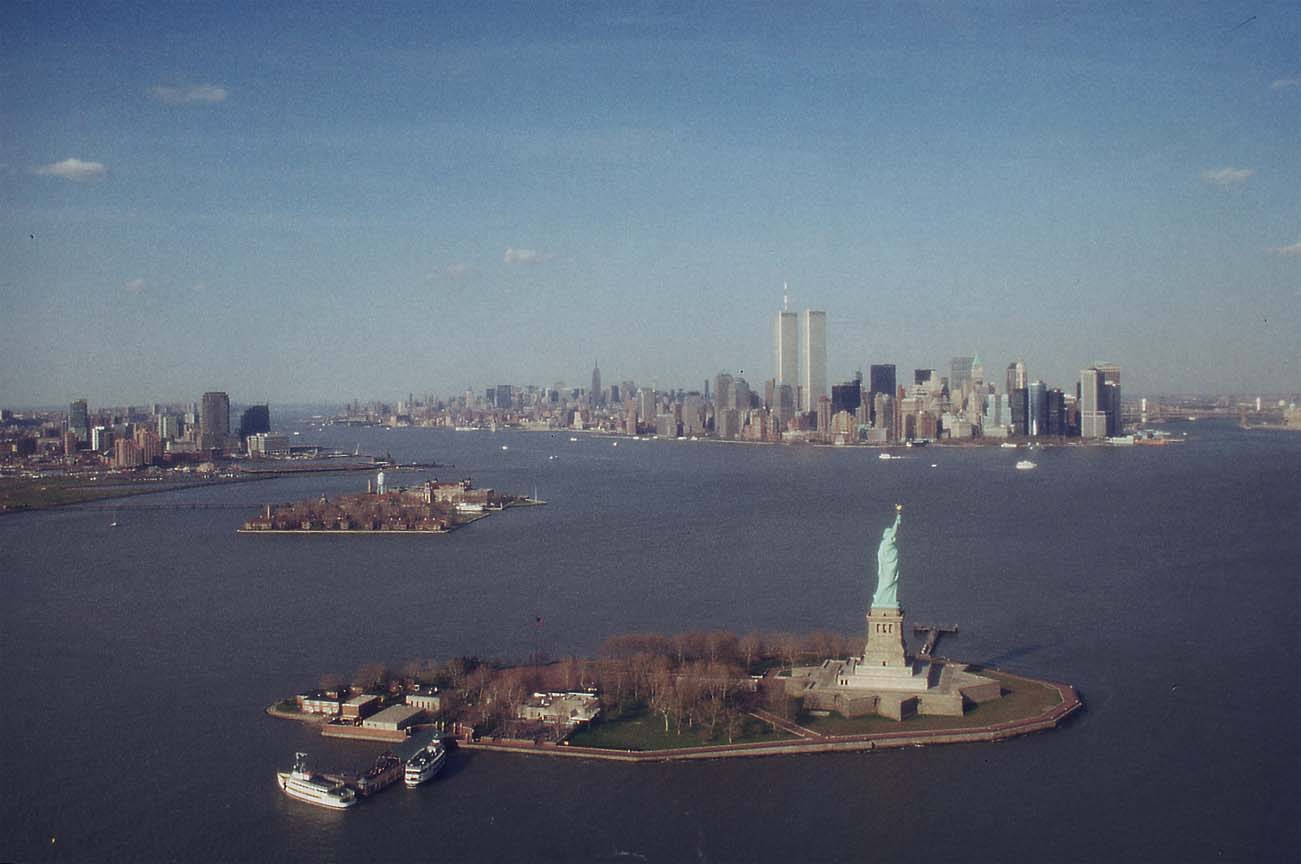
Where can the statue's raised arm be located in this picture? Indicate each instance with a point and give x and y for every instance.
(887, 566)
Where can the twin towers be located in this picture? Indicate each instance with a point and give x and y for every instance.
(800, 352)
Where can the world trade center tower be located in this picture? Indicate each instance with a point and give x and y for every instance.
(787, 353)
(813, 359)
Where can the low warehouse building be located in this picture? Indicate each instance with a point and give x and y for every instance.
(394, 718)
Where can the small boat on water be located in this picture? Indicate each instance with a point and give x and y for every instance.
(312, 788)
(426, 764)
(1025, 465)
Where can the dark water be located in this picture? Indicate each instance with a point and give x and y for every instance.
(1163, 582)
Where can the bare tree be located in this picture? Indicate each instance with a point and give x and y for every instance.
(750, 648)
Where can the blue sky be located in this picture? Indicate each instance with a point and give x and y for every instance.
(295, 202)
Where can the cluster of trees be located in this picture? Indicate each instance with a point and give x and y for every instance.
(703, 682)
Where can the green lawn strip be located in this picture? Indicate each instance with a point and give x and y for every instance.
(27, 494)
(645, 731)
(1021, 699)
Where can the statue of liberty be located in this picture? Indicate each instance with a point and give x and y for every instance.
(887, 566)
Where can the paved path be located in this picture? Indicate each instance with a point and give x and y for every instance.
(784, 725)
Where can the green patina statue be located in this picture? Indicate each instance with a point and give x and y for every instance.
(887, 566)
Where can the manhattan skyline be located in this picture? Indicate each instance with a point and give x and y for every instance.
(373, 201)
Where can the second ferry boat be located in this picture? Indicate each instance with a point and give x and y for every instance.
(425, 765)
(313, 788)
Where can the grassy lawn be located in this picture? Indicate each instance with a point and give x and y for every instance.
(1020, 699)
(26, 494)
(645, 731)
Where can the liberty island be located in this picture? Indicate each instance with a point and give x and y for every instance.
(837, 705)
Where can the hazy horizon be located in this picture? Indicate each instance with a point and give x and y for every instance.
(370, 201)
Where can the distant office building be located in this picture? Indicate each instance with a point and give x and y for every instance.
(960, 373)
(214, 420)
(846, 397)
(1111, 396)
(126, 454)
(824, 413)
(740, 399)
(785, 349)
(883, 411)
(880, 378)
(813, 359)
(784, 408)
(504, 395)
(1037, 408)
(693, 415)
(263, 444)
(646, 407)
(255, 419)
(977, 372)
(1020, 405)
(169, 426)
(922, 376)
(1092, 407)
(101, 439)
(1015, 377)
(727, 423)
(79, 420)
(666, 425)
(1111, 399)
(722, 390)
(1056, 412)
(594, 395)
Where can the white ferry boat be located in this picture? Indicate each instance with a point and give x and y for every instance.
(313, 788)
(1025, 465)
(426, 764)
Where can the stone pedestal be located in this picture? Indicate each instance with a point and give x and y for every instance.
(885, 664)
(885, 647)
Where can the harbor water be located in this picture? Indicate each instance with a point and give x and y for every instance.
(1161, 581)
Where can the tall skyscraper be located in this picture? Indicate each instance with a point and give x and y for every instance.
(959, 374)
(786, 353)
(79, 420)
(1037, 408)
(846, 397)
(1111, 396)
(1019, 403)
(880, 379)
(214, 420)
(1016, 376)
(594, 395)
(255, 419)
(722, 390)
(813, 359)
(1093, 413)
(1056, 412)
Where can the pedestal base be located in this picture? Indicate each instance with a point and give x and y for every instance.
(911, 677)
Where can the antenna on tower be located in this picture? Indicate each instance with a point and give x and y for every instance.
(786, 297)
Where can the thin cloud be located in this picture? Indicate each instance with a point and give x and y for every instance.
(73, 168)
(1285, 83)
(1289, 251)
(453, 272)
(200, 94)
(1227, 176)
(514, 255)
(134, 286)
